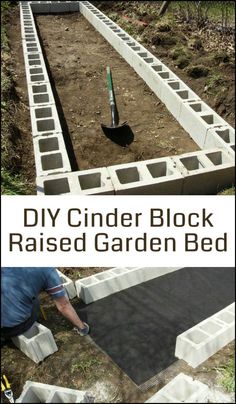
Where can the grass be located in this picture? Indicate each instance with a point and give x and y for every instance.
(12, 182)
(227, 376)
(228, 191)
(85, 365)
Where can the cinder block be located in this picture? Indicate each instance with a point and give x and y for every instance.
(221, 137)
(68, 285)
(37, 343)
(34, 392)
(114, 280)
(205, 172)
(87, 182)
(44, 120)
(150, 177)
(40, 7)
(36, 75)
(197, 118)
(59, 7)
(206, 338)
(51, 155)
(31, 47)
(40, 94)
(181, 389)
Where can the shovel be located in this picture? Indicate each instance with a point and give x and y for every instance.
(115, 131)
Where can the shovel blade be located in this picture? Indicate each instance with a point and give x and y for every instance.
(121, 134)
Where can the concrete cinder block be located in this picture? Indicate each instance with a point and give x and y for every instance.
(40, 94)
(197, 118)
(40, 6)
(37, 343)
(221, 137)
(114, 280)
(182, 389)
(150, 177)
(205, 172)
(88, 182)
(45, 120)
(68, 285)
(36, 75)
(50, 155)
(34, 392)
(206, 338)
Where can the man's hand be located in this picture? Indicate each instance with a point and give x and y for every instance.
(65, 308)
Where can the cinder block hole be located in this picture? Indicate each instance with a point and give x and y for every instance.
(196, 107)
(32, 49)
(131, 43)
(149, 60)
(51, 161)
(88, 281)
(136, 48)
(36, 395)
(31, 44)
(62, 397)
(210, 119)
(63, 280)
(41, 98)
(174, 84)
(116, 30)
(157, 68)
(34, 62)
(28, 24)
(108, 23)
(233, 147)
(210, 327)
(196, 336)
(29, 36)
(191, 163)
(126, 38)
(43, 112)
(164, 75)
(224, 134)
(226, 317)
(182, 390)
(159, 169)
(32, 57)
(30, 39)
(127, 175)
(102, 17)
(143, 54)
(46, 124)
(49, 144)
(119, 271)
(36, 70)
(32, 332)
(184, 94)
(102, 277)
(41, 88)
(28, 30)
(121, 35)
(217, 158)
(37, 77)
(88, 181)
(56, 187)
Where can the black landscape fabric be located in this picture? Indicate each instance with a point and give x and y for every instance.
(138, 327)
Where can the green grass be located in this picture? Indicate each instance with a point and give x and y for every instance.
(85, 365)
(228, 191)
(12, 184)
(227, 376)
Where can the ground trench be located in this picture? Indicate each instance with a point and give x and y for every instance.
(76, 56)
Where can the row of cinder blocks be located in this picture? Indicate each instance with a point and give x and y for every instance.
(54, 6)
(192, 113)
(206, 338)
(201, 172)
(181, 389)
(50, 152)
(114, 280)
(34, 392)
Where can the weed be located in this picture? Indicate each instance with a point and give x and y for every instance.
(214, 81)
(227, 376)
(12, 184)
(85, 365)
(228, 191)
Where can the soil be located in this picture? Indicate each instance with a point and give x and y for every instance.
(78, 56)
(80, 364)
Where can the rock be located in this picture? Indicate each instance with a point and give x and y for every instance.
(66, 29)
